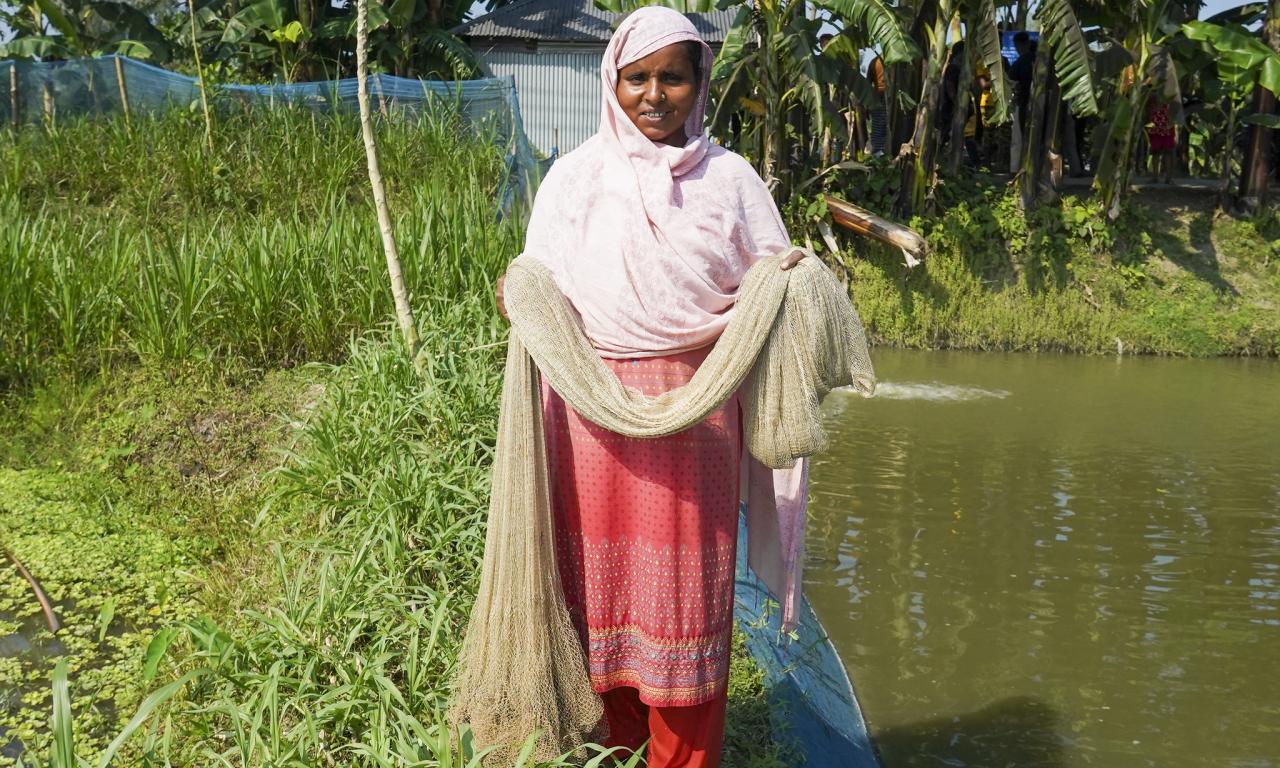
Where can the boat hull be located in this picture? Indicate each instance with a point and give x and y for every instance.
(804, 677)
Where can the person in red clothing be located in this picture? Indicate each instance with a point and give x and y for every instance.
(1162, 137)
(648, 229)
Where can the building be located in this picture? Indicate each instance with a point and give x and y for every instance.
(552, 48)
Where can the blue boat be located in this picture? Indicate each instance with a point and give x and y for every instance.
(804, 677)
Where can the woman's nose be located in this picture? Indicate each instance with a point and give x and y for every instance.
(653, 90)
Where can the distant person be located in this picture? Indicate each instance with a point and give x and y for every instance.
(975, 128)
(1163, 140)
(880, 109)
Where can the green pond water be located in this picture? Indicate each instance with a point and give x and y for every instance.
(1056, 561)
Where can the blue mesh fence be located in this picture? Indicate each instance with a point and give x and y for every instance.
(44, 92)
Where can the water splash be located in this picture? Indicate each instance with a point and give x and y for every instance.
(938, 393)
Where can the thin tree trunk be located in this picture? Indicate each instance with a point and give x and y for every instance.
(1257, 155)
(1033, 151)
(1228, 154)
(1128, 114)
(403, 312)
(204, 98)
(960, 112)
(1054, 110)
(918, 156)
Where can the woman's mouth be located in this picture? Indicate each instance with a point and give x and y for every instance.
(655, 115)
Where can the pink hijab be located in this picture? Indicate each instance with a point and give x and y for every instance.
(649, 242)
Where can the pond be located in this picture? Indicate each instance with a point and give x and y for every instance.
(1038, 560)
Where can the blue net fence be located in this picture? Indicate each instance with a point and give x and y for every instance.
(42, 92)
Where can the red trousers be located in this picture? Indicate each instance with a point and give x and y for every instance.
(679, 737)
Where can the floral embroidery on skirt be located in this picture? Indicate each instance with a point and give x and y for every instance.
(646, 532)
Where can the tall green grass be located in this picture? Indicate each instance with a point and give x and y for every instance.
(144, 246)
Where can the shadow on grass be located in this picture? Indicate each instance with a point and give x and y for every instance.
(1020, 731)
(1193, 250)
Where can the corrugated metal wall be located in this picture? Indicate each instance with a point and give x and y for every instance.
(558, 89)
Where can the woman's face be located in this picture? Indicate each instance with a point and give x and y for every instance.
(658, 92)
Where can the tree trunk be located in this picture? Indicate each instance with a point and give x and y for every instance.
(960, 112)
(906, 78)
(1055, 108)
(1228, 155)
(403, 312)
(1129, 110)
(1033, 150)
(918, 157)
(1257, 157)
(204, 98)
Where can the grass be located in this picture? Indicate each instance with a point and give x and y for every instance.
(208, 378)
(121, 255)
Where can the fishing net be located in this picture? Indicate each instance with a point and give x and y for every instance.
(794, 336)
(46, 91)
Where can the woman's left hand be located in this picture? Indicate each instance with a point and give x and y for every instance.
(793, 258)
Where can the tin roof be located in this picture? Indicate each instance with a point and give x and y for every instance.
(573, 21)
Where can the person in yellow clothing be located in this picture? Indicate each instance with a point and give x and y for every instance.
(978, 120)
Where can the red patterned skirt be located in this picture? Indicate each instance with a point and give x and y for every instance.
(1160, 129)
(646, 532)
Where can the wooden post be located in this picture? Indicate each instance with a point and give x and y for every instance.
(13, 95)
(382, 100)
(48, 105)
(124, 91)
(404, 313)
(204, 97)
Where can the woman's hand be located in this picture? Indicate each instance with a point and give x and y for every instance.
(502, 304)
(793, 258)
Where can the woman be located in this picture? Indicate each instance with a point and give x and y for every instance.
(1163, 139)
(648, 229)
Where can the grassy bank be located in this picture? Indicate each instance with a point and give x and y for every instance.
(303, 537)
(1170, 277)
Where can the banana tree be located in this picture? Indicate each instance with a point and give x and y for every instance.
(306, 39)
(1063, 74)
(1144, 33)
(982, 47)
(768, 69)
(936, 23)
(1248, 66)
(61, 29)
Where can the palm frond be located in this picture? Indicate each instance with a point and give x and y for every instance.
(881, 24)
(984, 38)
(1065, 39)
(1244, 15)
(735, 44)
(451, 50)
(838, 65)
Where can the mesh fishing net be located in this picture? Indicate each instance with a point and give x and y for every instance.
(794, 336)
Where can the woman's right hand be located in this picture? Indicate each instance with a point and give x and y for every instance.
(498, 293)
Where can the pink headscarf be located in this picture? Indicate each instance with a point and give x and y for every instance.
(647, 241)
